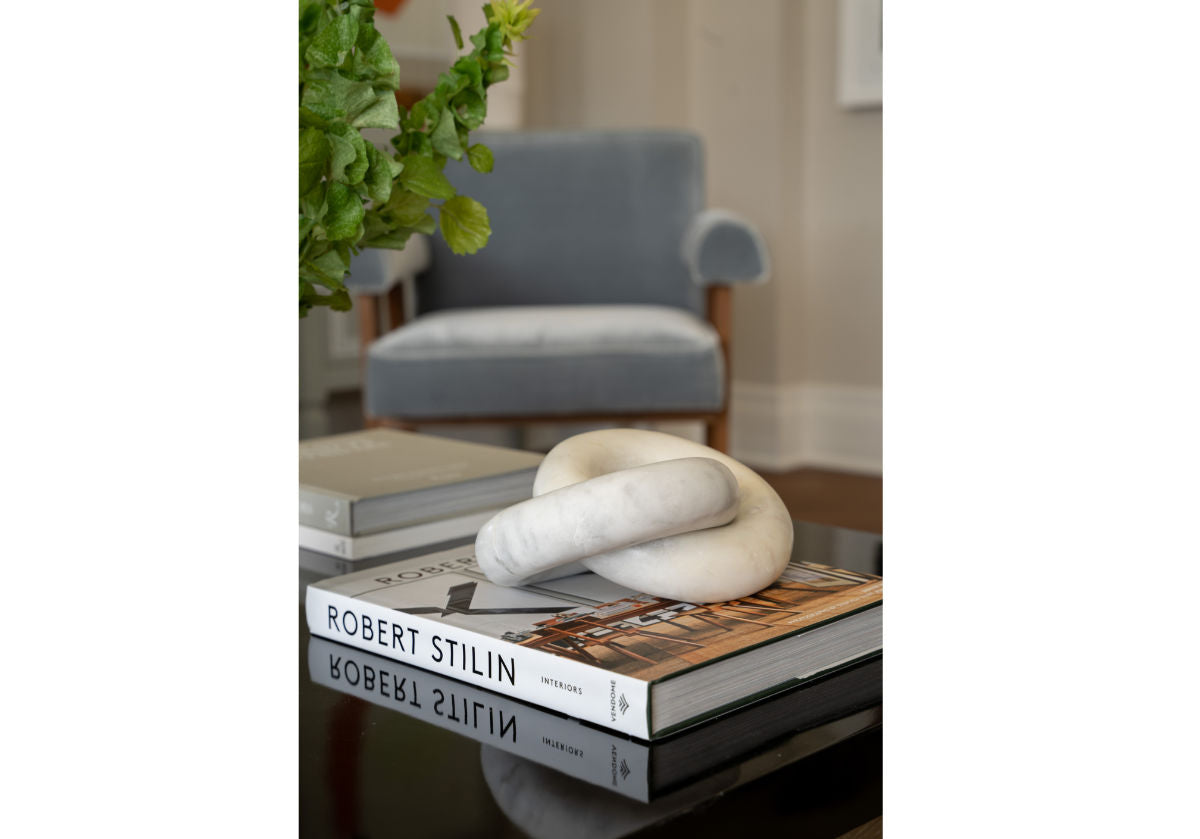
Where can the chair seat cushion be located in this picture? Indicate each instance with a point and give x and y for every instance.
(516, 361)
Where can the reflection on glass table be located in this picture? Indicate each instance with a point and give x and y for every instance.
(391, 750)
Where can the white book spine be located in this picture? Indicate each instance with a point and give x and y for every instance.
(574, 688)
(602, 758)
(390, 541)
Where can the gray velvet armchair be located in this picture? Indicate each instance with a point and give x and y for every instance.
(603, 294)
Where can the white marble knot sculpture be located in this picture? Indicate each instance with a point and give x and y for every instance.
(649, 511)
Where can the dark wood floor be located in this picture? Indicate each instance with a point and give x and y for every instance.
(834, 498)
(871, 830)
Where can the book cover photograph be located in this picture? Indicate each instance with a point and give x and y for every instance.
(587, 647)
(650, 637)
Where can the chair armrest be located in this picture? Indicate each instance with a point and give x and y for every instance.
(722, 248)
(377, 270)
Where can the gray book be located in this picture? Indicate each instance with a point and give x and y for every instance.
(382, 479)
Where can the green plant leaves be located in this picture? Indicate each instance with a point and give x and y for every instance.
(326, 269)
(464, 224)
(345, 211)
(445, 136)
(470, 67)
(351, 194)
(374, 60)
(407, 209)
(512, 18)
(314, 152)
(333, 43)
(393, 240)
(471, 109)
(310, 17)
(497, 73)
(424, 177)
(449, 84)
(349, 159)
(458, 41)
(382, 170)
(382, 113)
(337, 97)
(480, 158)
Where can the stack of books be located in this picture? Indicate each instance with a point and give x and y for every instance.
(595, 651)
(378, 492)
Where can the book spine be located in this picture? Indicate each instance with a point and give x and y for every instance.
(598, 757)
(326, 565)
(390, 541)
(325, 512)
(574, 688)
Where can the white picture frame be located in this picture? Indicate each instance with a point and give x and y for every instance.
(860, 54)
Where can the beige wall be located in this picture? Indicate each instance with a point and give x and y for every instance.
(839, 212)
(756, 80)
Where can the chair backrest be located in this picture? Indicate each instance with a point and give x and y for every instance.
(576, 217)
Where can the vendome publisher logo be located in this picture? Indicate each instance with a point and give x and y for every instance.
(615, 703)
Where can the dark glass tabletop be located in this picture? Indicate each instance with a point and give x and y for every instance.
(387, 750)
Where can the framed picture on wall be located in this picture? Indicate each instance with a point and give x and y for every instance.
(860, 53)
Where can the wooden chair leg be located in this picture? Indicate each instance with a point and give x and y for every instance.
(367, 306)
(720, 315)
(718, 433)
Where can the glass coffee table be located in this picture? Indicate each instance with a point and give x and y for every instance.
(380, 756)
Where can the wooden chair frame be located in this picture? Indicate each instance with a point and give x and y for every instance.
(381, 313)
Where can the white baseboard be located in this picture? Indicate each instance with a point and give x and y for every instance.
(781, 427)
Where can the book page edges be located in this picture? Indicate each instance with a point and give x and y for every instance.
(391, 541)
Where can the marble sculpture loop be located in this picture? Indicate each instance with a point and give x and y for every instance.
(649, 511)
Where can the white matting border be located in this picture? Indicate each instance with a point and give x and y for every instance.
(777, 428)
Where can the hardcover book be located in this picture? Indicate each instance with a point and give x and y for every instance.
(325, 564)
(588, 648)
(366, 482)
(638, 770)
(423, 537)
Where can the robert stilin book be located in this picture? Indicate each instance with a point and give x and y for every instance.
(585, 647)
